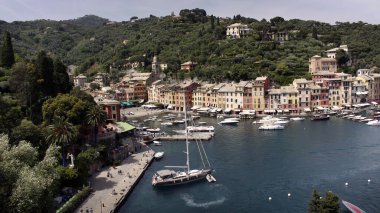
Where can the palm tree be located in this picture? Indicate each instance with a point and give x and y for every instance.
(61, 133)
(96, 117)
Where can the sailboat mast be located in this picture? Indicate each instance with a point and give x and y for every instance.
(187, 140)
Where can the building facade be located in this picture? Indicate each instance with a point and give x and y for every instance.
(237, 30)
(318, 64)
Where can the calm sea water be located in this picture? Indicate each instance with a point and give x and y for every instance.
(252, 165)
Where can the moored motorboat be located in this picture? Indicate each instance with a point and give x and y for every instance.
(159, 155)
(297, 119)
(271, 127)
(178, 122)
(167, 124)
(229, 121)
(320, 117)
(374, 123)
(157, 143)
(281, 122)
(209, 130)
(154, 130)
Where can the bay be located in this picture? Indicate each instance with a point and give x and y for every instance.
(252, 165)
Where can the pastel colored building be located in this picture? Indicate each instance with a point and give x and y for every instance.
(284, 99)
(318, 64)
(258, 95)
(334, 85)
(375, 96)
(111, 107)
(247, 96)
(346, 88)
(304, 93)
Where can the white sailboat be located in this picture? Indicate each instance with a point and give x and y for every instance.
(170, 177)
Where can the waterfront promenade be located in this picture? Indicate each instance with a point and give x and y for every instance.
(113, 184)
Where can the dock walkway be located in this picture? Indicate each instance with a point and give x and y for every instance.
(112, 187)
(202, 137)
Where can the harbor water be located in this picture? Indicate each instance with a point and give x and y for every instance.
(252, 165)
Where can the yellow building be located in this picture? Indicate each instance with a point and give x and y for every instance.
(318, 64)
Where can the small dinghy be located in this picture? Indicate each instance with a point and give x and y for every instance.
(210, 178)
(159, 155)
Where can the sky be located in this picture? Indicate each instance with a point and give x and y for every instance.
(328, 11)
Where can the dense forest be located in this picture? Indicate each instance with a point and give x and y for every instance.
(94, 43)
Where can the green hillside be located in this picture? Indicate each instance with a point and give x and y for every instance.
(199, 37)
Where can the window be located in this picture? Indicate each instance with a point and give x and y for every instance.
(113, 116)
(113, 108)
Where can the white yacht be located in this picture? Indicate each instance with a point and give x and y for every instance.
(374, 123)
(197, 130)
(154, 130)
(271, 127)
(178, 122)
(297, 119)
(159, 155)
(366, 120)
(229, 121)
(167, 124)
(157, 143)
(281, 122)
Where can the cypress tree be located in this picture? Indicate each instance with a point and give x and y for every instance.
(45, 73)
(7, 58)
(61, 78)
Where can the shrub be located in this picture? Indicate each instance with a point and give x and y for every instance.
(74, 202)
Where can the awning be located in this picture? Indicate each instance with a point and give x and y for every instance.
(170, 107)
(336, 108)
(269, 111)
(248, 112)
(320, 108)
(374, 103)
(149, 106)
(307, 109)
(286, 110)
(279, 110)
(237, 110)
(195, 107)
(124, 126)
(362, 93)
(203, 109)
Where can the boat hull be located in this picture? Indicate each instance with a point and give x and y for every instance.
(182, 180)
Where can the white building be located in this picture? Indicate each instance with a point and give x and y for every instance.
(80, 80)
(331, 53)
